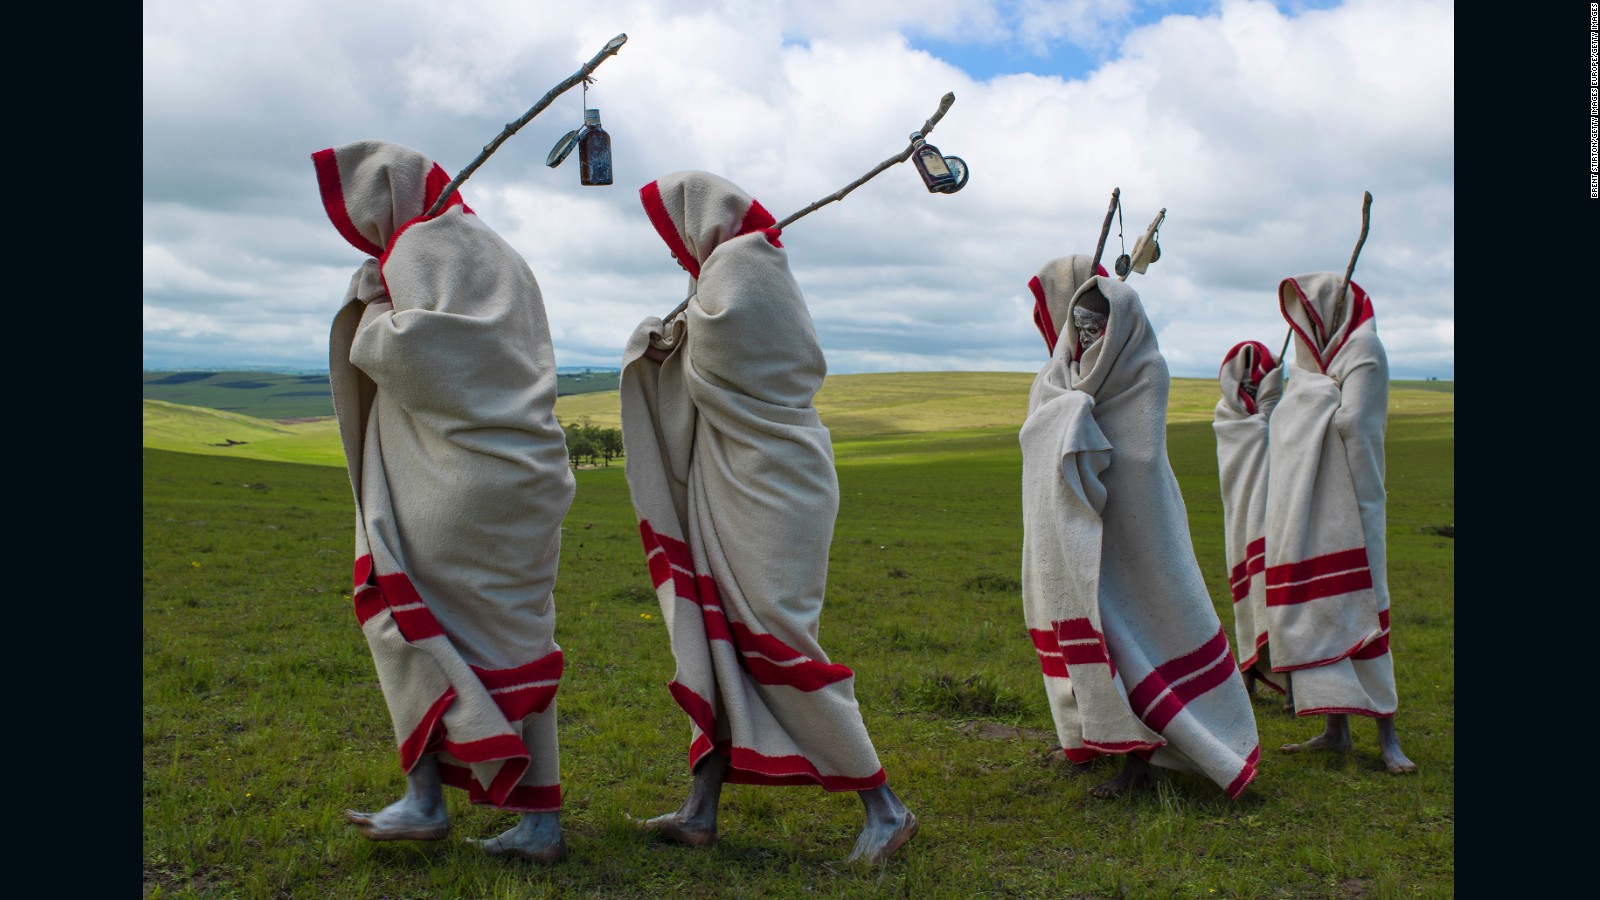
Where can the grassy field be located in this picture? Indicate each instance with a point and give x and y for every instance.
(263, 719)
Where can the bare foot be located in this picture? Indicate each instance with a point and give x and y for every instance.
(418, 816)
(401, 821)
(889, 826)
(1335, 737)
(1389, 748)
(536, 838)
(676, 826)
(1135, 776)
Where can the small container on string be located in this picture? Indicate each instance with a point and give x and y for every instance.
(594, 151)
(593, 144)
(942, 174)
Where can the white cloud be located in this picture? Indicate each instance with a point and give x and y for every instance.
(1257, 130)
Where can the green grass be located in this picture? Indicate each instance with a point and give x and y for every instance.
(263, 719)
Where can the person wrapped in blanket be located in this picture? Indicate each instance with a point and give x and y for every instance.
(1326, 562)
(444, 383)
(1134, 658)
(732, 478)
(1251, 382)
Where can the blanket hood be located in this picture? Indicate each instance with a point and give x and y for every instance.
(371, 190)
(1252, 360)
(1052, 290)
(695, 212)
(1307, 303)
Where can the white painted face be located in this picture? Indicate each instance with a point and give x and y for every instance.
(1249, 386)
(1091, 326)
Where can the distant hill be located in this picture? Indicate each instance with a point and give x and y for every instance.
(298, 395)
(853, 407)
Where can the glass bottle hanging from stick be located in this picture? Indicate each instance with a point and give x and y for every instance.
(593, 144)
(942, 174)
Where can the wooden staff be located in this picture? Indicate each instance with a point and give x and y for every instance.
(1344, 284)
(609, 50)
(1149, 235)
(1105, 230)
(1366, 222)
(944, 106)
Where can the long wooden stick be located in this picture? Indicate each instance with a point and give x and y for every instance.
(1149, 235)
(609, 50)
(945, 103)
(1105, 230)
(1366, 222)
(927, 127)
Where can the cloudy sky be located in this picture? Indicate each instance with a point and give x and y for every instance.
(1256, 124)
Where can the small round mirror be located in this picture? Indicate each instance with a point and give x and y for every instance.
(1124, 265)
(561, 149)
(958, 168)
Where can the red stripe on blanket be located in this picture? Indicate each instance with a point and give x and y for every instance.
(332, 190)
(1050, 659)
(438, 179)
(676, 551)
(698, 748)
(1255, 655)
(756, 218)
(513, 691)
(1076, 630)
(1080, 755)
(361, 571)
(530, 798)
(1168, 707)
(1344, 710)
(489, 749)
(1319, 588)
(695, 706)
(660, 569)
(1317, 566)
(746, 766)
(1243, 573)
(368, 602)
(411, 615)
(1360, 311)
(1070, 633)
(1261, 363)
(1084, 654)
(419, 740)
(806, 676)
(1246, 774)
(765, 657)
(1123, 746)
(1379, 645)
(1162, 678)
(760, 654)
(1041, 315)
(542, 669)
(650, 196)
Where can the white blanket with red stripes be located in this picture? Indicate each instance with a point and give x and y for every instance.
(1135, 659)
(731, 472)
(444, 383)
(1241, 423)
(1327, 588)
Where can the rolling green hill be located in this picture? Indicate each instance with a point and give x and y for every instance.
(285, 396)
(931, 406)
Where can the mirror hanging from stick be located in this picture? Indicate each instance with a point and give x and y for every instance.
(592, 142)
(609, 50)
